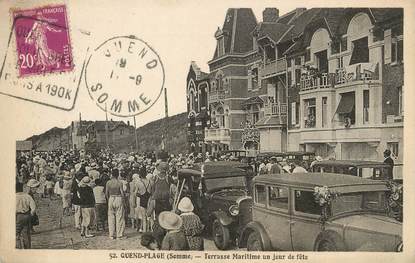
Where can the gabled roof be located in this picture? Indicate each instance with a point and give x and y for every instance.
(285, 19)
(299, 24)
(252, 100)
(236, 31)
(274, 31)
(384, 14)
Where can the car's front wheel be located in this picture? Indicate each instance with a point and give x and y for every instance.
(221, 235)
(254, 242)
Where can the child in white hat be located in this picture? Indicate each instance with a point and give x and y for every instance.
(192, 226)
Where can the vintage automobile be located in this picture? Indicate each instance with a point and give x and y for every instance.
(301, 157)
(287, 215)
(365, 169)
(221, 195)
(297, 156)
(235, 154)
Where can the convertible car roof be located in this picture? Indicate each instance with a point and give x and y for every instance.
(340, 182)
(216, 169)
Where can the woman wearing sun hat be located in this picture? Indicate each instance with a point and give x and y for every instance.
(192, 227)
(174, 239)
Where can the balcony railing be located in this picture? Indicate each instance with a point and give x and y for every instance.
(272, 67)
(216, 95)
(279, 109)
(325, 80)
(217, 134)
(359, 72)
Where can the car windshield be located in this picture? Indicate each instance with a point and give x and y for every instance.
(358, 202)
(225, 182)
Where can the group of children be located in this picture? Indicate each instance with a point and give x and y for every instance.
(182, 231)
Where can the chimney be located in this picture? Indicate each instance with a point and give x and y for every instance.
(270, 14)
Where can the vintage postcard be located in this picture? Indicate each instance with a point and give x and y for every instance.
(207, 131)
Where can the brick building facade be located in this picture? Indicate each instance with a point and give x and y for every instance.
(327, 80)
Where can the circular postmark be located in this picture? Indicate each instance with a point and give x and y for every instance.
(124, 76)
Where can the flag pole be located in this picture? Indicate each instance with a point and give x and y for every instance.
(106, 126)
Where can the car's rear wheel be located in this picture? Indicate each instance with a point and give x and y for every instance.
(254, 242)
(221, 235)
(330, 241)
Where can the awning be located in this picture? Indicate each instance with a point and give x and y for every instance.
(346, 104)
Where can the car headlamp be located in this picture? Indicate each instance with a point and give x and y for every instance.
(234, 210)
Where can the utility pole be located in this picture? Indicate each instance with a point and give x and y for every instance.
(166, 106)
(135, 135)
(166, 115)
(106, 126)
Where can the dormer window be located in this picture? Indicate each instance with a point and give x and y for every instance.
(220, 81)
(220, 46)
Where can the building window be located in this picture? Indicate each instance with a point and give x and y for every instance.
(310, 113)
(288, 62)
(293, 113)
(254, 114)
(254, 78)
(360, 53)
(366, 106)
(346, 108)
(278, 197)
(343, 44)
(220, 118)
(400, 101)
(221, 46)
(335, 47)
(269, 53)
(121, 132)
(297, 75)
(191, 101)
(219, 82)
(324, 112)
(397, 51)
(297, 61)
(307, 54)
(394, 148)
(322, 63)
(340, 62)
(289, 79)
(297, 113)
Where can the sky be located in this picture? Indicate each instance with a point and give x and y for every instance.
(179, 31)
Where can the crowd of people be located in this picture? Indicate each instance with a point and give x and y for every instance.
(109, 192)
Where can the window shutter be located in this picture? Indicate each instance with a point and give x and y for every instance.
(293, 113)
(388, 46)
(249, 79)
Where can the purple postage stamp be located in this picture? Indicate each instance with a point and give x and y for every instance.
(42, 40)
